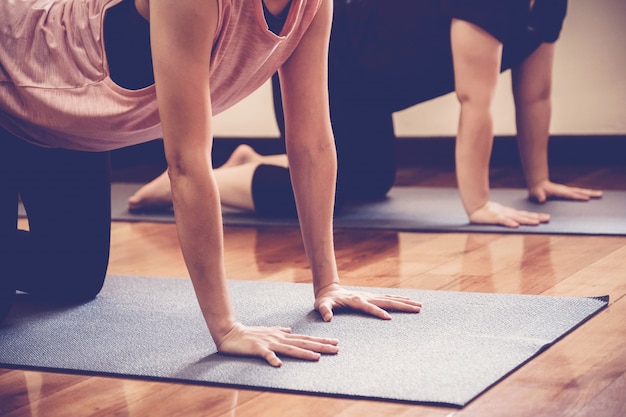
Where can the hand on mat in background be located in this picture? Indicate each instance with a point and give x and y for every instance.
(268, 342)
(335, 297)
(541, 192)
(495, 213)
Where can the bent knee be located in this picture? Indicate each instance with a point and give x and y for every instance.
(74, 280)
(86, 288)
(72, 288)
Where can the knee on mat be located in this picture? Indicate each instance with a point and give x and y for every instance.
(78, 279)
(72, 289)
(85, 290)
(83, 282)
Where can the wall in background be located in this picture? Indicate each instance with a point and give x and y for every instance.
(589, 93)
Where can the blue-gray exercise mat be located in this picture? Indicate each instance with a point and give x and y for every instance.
(427, 210)
(456, 348)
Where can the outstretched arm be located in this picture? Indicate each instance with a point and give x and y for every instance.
(182, 39)
(477, 58)
(313, 166)
(532, 85)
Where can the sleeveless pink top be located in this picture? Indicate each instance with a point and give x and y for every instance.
(55, 89)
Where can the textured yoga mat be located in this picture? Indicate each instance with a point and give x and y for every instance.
(456, 348)
(428, 209)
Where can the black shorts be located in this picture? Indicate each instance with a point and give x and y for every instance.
(508, 20)
(388, 35)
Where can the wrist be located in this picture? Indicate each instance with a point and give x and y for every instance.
(223, 338)
(536, 182)
(476, 206)
(322, 288)
(325, 274)
(474, 195)
(220, 328)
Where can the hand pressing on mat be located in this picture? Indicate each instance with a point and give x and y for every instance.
(495, 213)
(268, 342)
(547, 189)
(334, 297)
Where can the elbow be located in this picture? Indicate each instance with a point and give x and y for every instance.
(312, 145)
(176, 170)
(187, 165)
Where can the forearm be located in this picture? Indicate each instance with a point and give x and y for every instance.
(533, 123)
(473, 151)
(313, 171)
(310, 145)
(532, 89)
(199, 225)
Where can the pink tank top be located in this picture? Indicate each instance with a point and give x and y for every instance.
(55, 90)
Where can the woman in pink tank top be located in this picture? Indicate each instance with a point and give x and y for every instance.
(60, 111)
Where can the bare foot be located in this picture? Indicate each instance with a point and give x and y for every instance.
(155, 195)
(241, 155)
(245, 154)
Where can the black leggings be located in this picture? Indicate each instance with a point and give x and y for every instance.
(67, 197)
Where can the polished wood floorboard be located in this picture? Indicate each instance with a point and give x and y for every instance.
(584, 374)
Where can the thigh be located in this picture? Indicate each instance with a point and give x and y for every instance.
(66, 191)
(8, 189)
(66, 195)
(8, 225)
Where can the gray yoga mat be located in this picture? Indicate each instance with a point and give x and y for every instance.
(151, 328)
(428, 209)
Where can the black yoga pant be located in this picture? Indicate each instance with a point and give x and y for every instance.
(272, 194)
(67, 196)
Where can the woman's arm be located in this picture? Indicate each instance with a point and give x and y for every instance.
(310, 144)
(182, 34)
(313, 166)
(532, 87)
(477, 57)
(181, 37)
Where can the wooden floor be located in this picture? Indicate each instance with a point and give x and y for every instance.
(582, 375)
